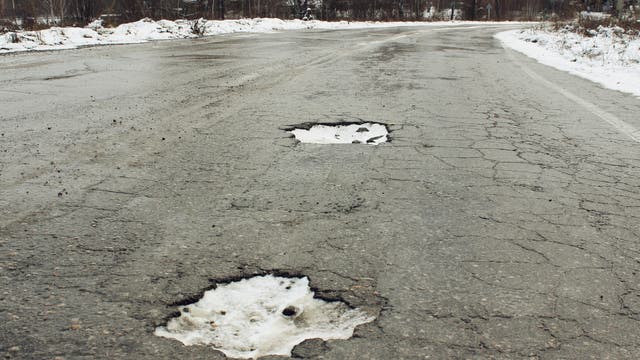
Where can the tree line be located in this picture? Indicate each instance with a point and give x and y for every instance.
(79, 12)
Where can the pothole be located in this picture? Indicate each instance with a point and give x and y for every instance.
(260, 316)
(344, 133)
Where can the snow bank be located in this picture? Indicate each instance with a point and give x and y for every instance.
(57, 38)
(260, 316)
(149, 30)
(607, 56)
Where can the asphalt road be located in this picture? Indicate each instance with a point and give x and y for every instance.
(501, 221)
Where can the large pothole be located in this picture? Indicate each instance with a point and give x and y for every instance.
(260, 316)
(344, 133)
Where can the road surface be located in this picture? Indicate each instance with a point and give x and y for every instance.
(501, 221)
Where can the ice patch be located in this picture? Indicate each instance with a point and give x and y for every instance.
(260, 316)
(366, 133)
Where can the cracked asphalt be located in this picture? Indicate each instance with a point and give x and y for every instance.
(502, 220)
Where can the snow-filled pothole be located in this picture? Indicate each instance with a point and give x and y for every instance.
(360, 133)
(260, 316)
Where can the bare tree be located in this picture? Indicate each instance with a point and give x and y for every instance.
(83, 11)
(60, 7)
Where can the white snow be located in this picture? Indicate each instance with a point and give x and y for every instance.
(432, 14)
(608, 56)
(592, 15)
(366, 133)
(260, 316)
(57, 38)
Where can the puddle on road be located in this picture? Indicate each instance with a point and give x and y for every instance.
(354, 133)
(260, 316)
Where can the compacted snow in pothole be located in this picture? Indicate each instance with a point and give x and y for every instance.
(365, 133)
(260, 316)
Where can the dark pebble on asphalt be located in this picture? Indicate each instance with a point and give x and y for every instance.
(289, 311)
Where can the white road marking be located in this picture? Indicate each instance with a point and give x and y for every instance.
(613, 120)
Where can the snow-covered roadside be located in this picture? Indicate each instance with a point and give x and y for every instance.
(607, 56)
(58, 38)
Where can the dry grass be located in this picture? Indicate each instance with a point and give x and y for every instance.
(7, 26)
(590, 26)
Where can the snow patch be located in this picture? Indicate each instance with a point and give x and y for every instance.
(260, 316)
(366, 133)
(592, 15)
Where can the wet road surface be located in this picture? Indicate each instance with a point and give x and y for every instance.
(501, 221)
